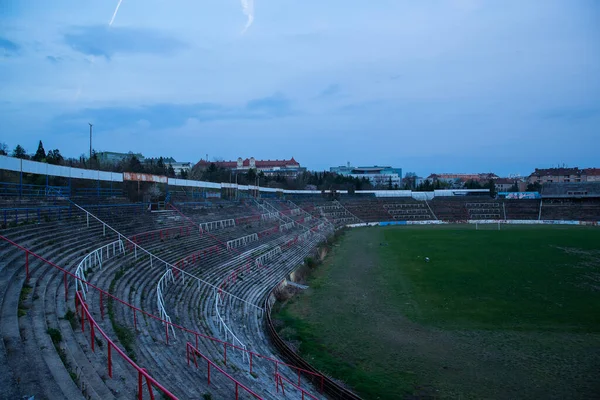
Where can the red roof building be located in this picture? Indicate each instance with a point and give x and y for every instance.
(289, 167)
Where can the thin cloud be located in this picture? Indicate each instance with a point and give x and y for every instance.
(54, 59)
(169, 115)
(330, 91)
(248, 10)
(100, 41)
(8, 48)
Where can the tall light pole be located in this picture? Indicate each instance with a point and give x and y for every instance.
(90, 141)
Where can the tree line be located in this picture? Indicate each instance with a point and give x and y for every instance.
(317, 180)
(131, 163)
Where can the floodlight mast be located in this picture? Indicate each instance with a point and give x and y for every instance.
(91, 125)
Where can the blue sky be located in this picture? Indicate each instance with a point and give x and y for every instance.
(428, 85)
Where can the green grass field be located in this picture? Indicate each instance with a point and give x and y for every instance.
(508, 314)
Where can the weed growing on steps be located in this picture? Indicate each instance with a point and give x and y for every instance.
(55, 335)
(70, 316)
(56, 338)
(125, 335)
(22, 309)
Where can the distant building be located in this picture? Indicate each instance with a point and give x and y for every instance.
(378, 175)
(508, 184)
(179, 166)
(591, 174)
(289, 167)
(114, 157)
(564, 175)
(342, 170)
(458, 180)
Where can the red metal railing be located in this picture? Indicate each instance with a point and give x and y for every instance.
(192, 352)
(136, 310)
(279, 379)
(142, 373)
(233, 276)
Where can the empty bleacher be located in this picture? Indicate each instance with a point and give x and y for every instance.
(172, 236)
(484, 210)
(219, 303)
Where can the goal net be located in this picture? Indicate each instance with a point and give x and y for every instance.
(494, 226)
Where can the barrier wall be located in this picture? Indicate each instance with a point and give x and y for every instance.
(520, 195)
(189, 183)
(386, 193)
(139, 177)
(34, 167)
(18, 165)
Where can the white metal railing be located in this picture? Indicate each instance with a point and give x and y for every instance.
(431, 210)
(261, 206)
(403, 205)
(481, 205)
(335, 214)
(408, 211)
(345, 209)
(93, 259)
(225, 330)
(484, 211)
(295, 211)
(308, 216)
(271, 209)
(269, 215)
(269, 255)
(156, 258)
(304, 235)
(288, 219)
(327, 208)
(287, 226)
(242, 241)
(160, 302)
(214, 225)
(260, 261)
(347, 219)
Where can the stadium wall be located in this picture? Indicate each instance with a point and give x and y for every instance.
(34, 167)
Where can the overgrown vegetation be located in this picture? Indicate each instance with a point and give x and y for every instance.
(72, 318)
(22, 308)
(57, 338)
(55, 335)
